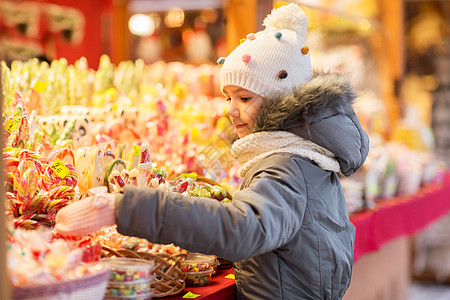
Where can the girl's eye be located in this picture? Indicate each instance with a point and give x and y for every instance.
(228, 99)
(244, 99)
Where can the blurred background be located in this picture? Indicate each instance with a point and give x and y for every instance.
(397, 52)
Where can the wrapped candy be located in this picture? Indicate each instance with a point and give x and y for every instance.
(115, 182)
(97, 175)
(134, 174)
(39, 257)
(83, 164)
(155, 177)
(145, 164)
(134, 157)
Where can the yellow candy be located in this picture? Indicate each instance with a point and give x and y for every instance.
(195, 132)
(56, 261)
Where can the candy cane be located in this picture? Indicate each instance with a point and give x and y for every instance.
(26, 223)
(62, 192)
(28, 155)
(50, 180)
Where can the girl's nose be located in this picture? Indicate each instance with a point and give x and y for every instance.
(232, 110)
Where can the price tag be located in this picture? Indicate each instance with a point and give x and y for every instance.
(59, 168)
(189, 175)
(9, 125)
(136, 150)
(190, 295)
(110, 93)
(39, 86)
(231, 276)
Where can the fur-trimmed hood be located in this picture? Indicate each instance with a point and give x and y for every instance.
(320, 111)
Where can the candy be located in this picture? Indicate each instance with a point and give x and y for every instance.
(129, 269)
(39, 257)
(199, 278)
(51, 180)
(197, 262)
(128, 288)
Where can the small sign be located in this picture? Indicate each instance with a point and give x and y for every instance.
(40, 86)
(59, 168)
(9, 125)
(231, 276)
(136, 150)
(189, 175)
(190, 295)
(110, 93)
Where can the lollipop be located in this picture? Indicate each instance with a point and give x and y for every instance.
(31, 156)
(65, 155)
(26, 178)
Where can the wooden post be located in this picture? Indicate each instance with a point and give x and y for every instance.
(119, 34)
(391, 56)
(4, 282)
(244, 17)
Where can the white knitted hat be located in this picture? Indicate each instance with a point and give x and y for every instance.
(273, 61)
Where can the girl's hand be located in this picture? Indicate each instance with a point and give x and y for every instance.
(87, 215)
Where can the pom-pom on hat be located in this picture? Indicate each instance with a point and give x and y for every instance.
(273, 61)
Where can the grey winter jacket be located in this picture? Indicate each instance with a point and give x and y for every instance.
(287, 228)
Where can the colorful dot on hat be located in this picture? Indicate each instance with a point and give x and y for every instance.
(282, 74)
(246, 58)
(251, 36)
(305, 50)
(221, 60)
(277, 35)
(242, 40)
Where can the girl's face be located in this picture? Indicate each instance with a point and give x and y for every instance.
(243, 108)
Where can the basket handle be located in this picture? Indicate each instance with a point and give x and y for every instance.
(212, 182)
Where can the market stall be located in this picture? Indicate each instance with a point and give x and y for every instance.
(69, 128)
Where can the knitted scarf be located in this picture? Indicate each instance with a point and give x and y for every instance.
(252, 148)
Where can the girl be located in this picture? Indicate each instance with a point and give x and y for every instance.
(287, 228)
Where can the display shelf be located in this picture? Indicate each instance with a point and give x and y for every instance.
(400, 216)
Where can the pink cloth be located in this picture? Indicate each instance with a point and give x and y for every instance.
(220, 288)
(400, 216)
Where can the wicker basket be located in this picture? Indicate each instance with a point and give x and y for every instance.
(168, 277)
(92, 286)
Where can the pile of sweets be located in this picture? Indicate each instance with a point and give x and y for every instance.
(37, 257)
(189, 185)
(128, 103)
(38, 183)
(109, 237)
(50, 86)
